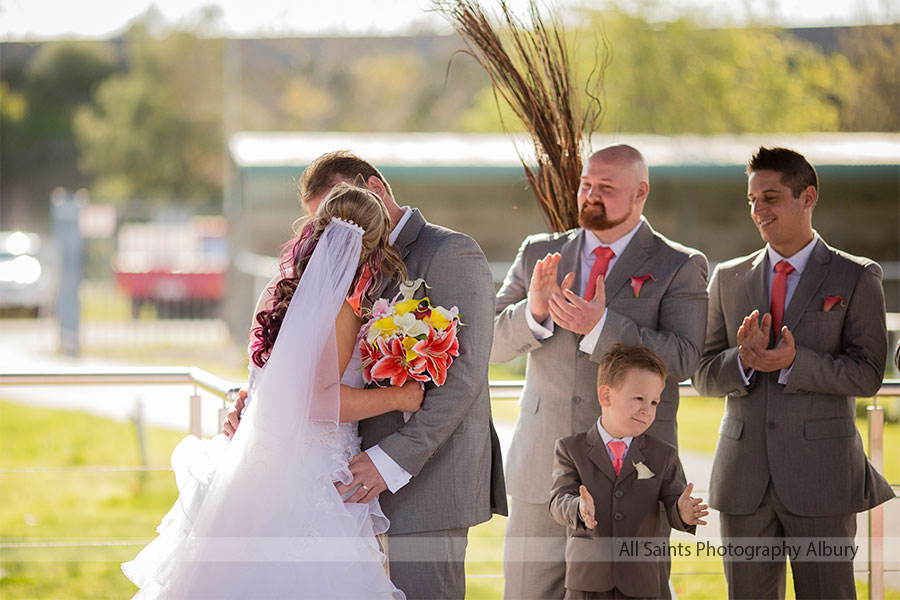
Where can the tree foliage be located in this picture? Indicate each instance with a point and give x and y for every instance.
(872, 94)
(677, 77)
(155, 132)
(146, 111)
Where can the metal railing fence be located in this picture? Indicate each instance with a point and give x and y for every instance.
(499, 390)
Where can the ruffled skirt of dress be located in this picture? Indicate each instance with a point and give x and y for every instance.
(269, 528)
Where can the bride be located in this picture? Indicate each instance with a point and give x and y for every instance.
(259, 516)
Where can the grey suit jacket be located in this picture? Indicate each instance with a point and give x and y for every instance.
(801, 435)
(625, 507)
(560, 394)
(449, 446)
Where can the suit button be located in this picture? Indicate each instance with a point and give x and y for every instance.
(619, 493)
(618, 516)
(576, 399)
(770, 424)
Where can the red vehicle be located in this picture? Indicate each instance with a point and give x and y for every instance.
(179, 268)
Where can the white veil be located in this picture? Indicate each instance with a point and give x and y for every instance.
(253, 513)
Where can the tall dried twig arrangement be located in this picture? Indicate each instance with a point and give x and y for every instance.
(530, 68)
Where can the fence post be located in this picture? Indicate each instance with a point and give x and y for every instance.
(66, 210)
(875, 417)
(196, 425)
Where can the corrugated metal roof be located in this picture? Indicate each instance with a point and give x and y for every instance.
(272, 149)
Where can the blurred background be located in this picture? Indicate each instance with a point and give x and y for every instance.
(149, 154)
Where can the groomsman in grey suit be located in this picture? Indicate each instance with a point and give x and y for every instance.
(567, 298)
(790, 461)
(442, 468)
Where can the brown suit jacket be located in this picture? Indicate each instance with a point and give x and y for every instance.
(624, 506)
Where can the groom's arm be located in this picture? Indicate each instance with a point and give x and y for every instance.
(459, 276)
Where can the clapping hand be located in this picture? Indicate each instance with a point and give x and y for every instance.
(571, 311)
(691, 509)
(753, 342)
(586, 507)
(543, 285)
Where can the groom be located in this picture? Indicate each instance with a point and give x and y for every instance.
(442, 467)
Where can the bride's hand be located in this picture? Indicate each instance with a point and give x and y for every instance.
(233, 416)
(409, 396)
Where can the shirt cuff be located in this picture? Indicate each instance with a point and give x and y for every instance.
(745, 377)
(784, 374)
(541, 331)
(393, 474)
(589, 342)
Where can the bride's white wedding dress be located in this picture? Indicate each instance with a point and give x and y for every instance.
(259, 516)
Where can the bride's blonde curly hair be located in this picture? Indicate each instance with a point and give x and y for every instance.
(350, 203)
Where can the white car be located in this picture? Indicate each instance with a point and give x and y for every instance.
(27, 277)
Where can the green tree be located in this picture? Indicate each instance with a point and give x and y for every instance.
(307, 105)
(679, 77)
(155, 132)
(872, 101)
(39, 99)
(385, 93)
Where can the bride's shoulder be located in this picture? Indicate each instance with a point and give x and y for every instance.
(348, 315)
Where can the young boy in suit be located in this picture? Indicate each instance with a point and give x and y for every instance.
(609, 481)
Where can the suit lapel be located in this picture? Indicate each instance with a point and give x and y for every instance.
(635, 455)
(758, 284)
(571, 259)
(410, 232)
(810, 282)
(636, 254)
(596, 451)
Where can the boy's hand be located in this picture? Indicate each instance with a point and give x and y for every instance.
(691, 509)
(586, 508)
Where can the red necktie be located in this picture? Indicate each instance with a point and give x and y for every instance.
(356, 297)
(618, 451)
(603, 254)
(779, 289)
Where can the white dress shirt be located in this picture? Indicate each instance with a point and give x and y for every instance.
(798, 261)
(607, 438)
(544, 330)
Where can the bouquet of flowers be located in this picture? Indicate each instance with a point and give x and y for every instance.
(408, 338)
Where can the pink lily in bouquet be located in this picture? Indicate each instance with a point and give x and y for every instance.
(408, 338)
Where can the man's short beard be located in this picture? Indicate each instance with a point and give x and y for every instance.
(597, 220)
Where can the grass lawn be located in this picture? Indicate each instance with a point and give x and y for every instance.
(84, 506)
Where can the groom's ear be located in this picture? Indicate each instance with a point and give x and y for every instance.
(376, 186)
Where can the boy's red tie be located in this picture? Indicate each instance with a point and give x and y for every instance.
(618, 451)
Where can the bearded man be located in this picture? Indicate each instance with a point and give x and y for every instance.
(567, 298)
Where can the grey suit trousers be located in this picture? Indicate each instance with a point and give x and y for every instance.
(534, 553)
(816, 579)
(429, 565)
